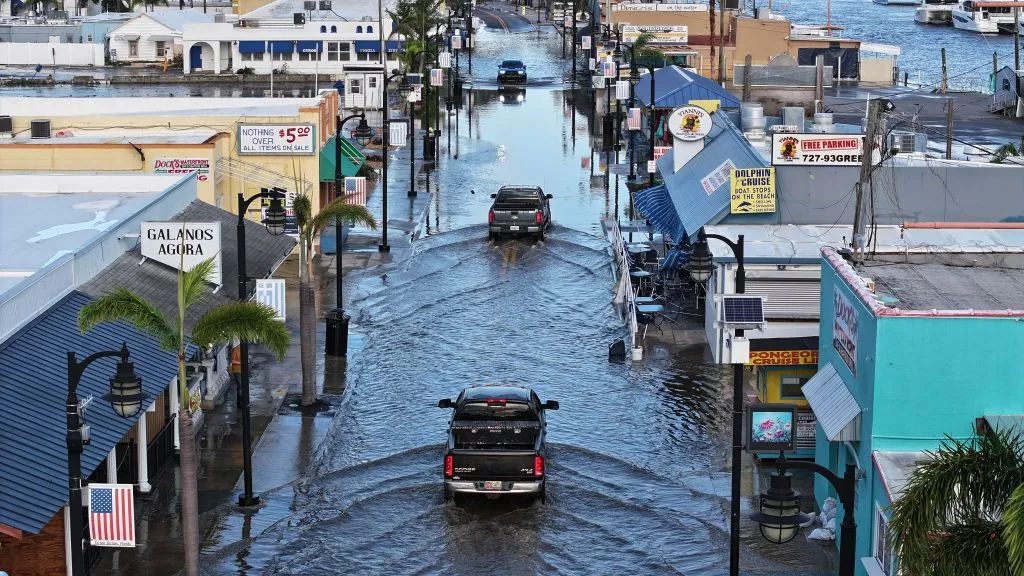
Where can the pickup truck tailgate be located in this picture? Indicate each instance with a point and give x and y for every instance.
(493, 464)
(515, 215)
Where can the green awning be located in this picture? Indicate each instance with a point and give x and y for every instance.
(351, 159)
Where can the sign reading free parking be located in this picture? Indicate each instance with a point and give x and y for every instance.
(271, 139)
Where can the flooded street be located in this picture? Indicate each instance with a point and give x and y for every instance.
(637, 459)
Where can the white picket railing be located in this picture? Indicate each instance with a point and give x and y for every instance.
(624, 287)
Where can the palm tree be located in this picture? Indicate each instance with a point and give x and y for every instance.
(418, 20)
(309, 228)
(249, 321)
(962, 511)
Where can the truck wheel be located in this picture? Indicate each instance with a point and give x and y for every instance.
(540, 235)
(447, 495)
(543, 494)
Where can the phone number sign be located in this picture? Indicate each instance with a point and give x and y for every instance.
(270, 139)
(817, 149)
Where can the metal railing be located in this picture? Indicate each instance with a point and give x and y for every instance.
(161, 448)
(624, 286)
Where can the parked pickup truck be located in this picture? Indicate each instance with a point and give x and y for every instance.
(495, 442)
(518, 210)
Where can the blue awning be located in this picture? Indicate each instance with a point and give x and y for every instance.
(282, 46)
(396, 45)
(367, 46)
(252, 47)
(656, 205)
(309, 46)
(33, 385)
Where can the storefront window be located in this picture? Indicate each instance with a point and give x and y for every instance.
(881, 549)
(790, 387)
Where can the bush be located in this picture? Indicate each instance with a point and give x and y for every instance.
(247, 71)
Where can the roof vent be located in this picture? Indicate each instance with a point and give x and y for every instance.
(40, 128)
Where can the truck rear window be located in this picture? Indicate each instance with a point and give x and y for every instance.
(517, 199)
(479, 411)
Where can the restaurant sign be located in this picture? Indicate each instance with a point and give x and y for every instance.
(201, 166)
(272, 139)
(783, 358)
(844, 330)
(817, 149)
(658, 7)
(183, 244)
(659, 34)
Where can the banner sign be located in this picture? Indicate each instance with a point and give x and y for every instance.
(592, 63)
(622, 90)
(436, 77)
(633, 123)
(717, 177)
(662, 34)
(585, 42)
(753, 191)
(272, 139)
(660, 151)
(456, 42)
(608, 69)
(783, 358)
(183, 166)
(630, 7)
(568, 21)
(174, 243)
(112, 515)
(444, 59)
(271, 291)
(817, 149)
(844, 330)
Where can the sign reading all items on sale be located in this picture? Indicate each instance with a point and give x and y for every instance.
(183, 243)
(844, 330)
(753, 191)
(817, 149)
(201, 166)
(271, 139)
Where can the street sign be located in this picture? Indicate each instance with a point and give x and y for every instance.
(652, 166)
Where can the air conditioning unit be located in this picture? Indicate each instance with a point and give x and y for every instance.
(219, 18)
(908, 142)
(299, 18)
(325, 4)
(40, 129)
(6, 127)
(309, 5)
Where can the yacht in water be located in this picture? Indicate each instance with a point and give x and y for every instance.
(935, 12)
(986, 17)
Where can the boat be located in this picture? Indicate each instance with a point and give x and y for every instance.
(896, 2)
(935, 12)
(985, 17)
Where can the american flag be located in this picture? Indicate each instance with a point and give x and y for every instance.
(112, 515)
(633, 119)
(355, 190)
(436, 77)
(585, 42)
(608, 69)
(456, 42)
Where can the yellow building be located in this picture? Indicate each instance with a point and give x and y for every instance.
(235, 145)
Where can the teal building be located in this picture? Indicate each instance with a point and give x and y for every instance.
(910, 352)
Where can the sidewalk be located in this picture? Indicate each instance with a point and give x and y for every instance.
(284, 441)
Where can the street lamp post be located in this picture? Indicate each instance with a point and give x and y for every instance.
(126, 397)
(274, 222)
(633, 80)
(780, 517)
(700, 271)
(385, 137)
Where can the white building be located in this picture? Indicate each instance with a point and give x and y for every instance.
(153, 36)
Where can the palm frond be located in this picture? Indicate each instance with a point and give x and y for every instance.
(972, 548)
(249, 321)
(194, 282)
(338, 210)
(121, 304)
(1013, 530)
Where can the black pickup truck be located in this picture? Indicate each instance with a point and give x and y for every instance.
(519, 210)
(495, 442)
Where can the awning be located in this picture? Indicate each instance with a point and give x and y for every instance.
(895, 468)
(351, 159)
(656, 205)
(282, 46)
(396, 45)
(129, 37)
(1013, 423)
(161, 38)
(309, 46)
(367, 46)
(252, 47)
(833, 405)
(33, 385)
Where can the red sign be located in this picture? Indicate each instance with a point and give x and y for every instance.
(783, 358)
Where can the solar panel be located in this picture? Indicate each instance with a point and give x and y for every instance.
(747, 310)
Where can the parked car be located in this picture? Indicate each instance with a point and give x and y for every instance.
(517, 210)
(496, 442)
(512, 71)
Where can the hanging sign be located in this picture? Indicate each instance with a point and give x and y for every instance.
(622, 90)
(444, 59)
(633, 119)
(397, 134)
(689, 123)
(717, 177)
(772, 427)
(753, 191)
(201, 166)
(272, 139)
(417, 94)
(112, 515)
(592, 63)
(585, 42)
(817, 149)
(844, 330)
(659, 34)
(436, 77)
(608, 69)
(187, 243)
(652, 166)
(271, 292)
(456, 42)
(568, 21)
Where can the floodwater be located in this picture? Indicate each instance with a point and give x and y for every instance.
(638, 481)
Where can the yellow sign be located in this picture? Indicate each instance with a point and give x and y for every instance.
(195, 398)
(783, 358)
(753, 190)
(710, 105)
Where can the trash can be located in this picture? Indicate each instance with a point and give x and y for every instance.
(336, 342)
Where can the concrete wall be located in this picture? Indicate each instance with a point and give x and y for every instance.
(820, 194)
(66, 33)
(51, 54)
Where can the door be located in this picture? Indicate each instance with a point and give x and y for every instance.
(195, 57)
(356, 98)
(373, 91)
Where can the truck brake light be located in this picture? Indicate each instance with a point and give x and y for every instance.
(449, 466)
(538, 466)
(496, 402)
(490, 217)
(539, 216)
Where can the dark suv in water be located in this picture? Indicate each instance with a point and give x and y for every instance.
(517, 210)
(512, 71)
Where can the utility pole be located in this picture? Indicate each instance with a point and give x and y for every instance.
(866, 166)
(746, 78)
(819, 84)
(949, 129)
(945, 74)
(574, 55)
(721, 42)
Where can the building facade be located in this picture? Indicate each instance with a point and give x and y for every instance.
(152, 36)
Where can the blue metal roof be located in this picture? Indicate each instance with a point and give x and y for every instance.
(675, 86)
(694, 206)
(33, 389)
(656, 205)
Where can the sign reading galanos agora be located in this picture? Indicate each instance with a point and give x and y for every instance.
(817, 149)
(183, 243)
(845, 330)
(271, 139)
